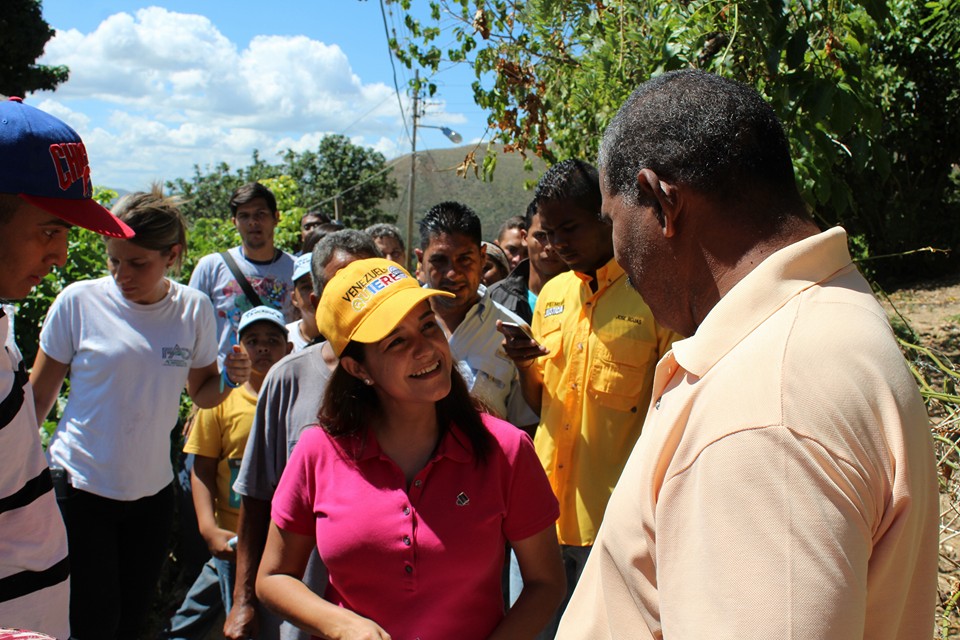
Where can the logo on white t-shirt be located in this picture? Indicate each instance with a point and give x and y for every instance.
(176, 356)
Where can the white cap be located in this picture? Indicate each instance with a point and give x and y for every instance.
(301, 267)
(261, 313)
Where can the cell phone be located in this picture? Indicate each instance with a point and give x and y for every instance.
(232, 542)
(516, 331)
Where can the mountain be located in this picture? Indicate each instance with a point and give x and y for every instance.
(437, 181)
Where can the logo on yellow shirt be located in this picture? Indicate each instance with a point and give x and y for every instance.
(552, 309)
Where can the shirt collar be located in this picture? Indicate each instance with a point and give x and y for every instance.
(606, 275)
(763, 291)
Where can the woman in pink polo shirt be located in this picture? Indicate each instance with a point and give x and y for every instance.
(407, 490)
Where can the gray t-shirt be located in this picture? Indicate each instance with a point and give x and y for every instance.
(289, 401)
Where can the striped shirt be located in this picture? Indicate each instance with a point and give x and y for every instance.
(34, 569)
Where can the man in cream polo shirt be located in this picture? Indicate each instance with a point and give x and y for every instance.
(784, 483)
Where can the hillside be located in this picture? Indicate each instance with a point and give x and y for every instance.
(437, 181)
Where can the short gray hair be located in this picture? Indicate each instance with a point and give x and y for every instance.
(350, 241)
(385, 230)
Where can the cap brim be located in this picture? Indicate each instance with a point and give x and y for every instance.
(84, 213)
(378, 325)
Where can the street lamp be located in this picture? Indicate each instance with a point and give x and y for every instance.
(452, 135)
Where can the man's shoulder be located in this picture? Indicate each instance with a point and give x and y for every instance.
(207, 266)
(295, 366)
(559, 285)
(513, 285)
(499, 291)
(215, 258)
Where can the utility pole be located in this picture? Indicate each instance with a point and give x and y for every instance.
(413, 167)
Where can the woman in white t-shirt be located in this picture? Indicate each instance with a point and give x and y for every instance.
(131, 342)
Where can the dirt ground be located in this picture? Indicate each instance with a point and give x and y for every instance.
(932, 310)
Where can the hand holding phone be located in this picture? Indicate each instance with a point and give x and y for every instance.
(515, 331)
(520, 345)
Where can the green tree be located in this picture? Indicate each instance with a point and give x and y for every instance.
(356, 177)
(867, 89)
(345, 177)
(206, 195)
(25, 34)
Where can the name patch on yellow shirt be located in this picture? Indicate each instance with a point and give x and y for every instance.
(552, 309)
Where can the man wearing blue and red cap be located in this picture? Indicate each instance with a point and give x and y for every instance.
(45, 189)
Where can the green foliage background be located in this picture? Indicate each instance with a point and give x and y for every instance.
(25, 34)
(338, 175)
(868, 91)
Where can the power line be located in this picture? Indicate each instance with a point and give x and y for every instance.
(374, 108)
(351, 188)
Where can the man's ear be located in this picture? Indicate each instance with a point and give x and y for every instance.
(665, 196)
(314, 300)
(419, 254)
(354, 368)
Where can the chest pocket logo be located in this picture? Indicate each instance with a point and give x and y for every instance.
(175, 356)
(552, 309)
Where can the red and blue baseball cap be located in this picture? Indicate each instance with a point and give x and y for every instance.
(43, 161)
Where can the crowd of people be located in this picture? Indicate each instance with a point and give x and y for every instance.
(661, 403)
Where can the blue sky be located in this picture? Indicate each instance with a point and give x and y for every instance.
(156, 88)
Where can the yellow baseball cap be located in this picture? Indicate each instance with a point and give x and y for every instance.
(366, 300)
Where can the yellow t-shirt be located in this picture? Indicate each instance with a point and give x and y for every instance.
(221, 433)
(597, 379)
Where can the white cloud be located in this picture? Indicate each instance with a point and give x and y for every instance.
(390, 147)
(157, 92)
(73, 118)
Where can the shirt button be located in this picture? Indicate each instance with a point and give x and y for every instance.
(417, 483)
(560, 466)
(580, 346)
(408, 569)
(567, 427)
(573, 385)
(406, 540)
(406, 511)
